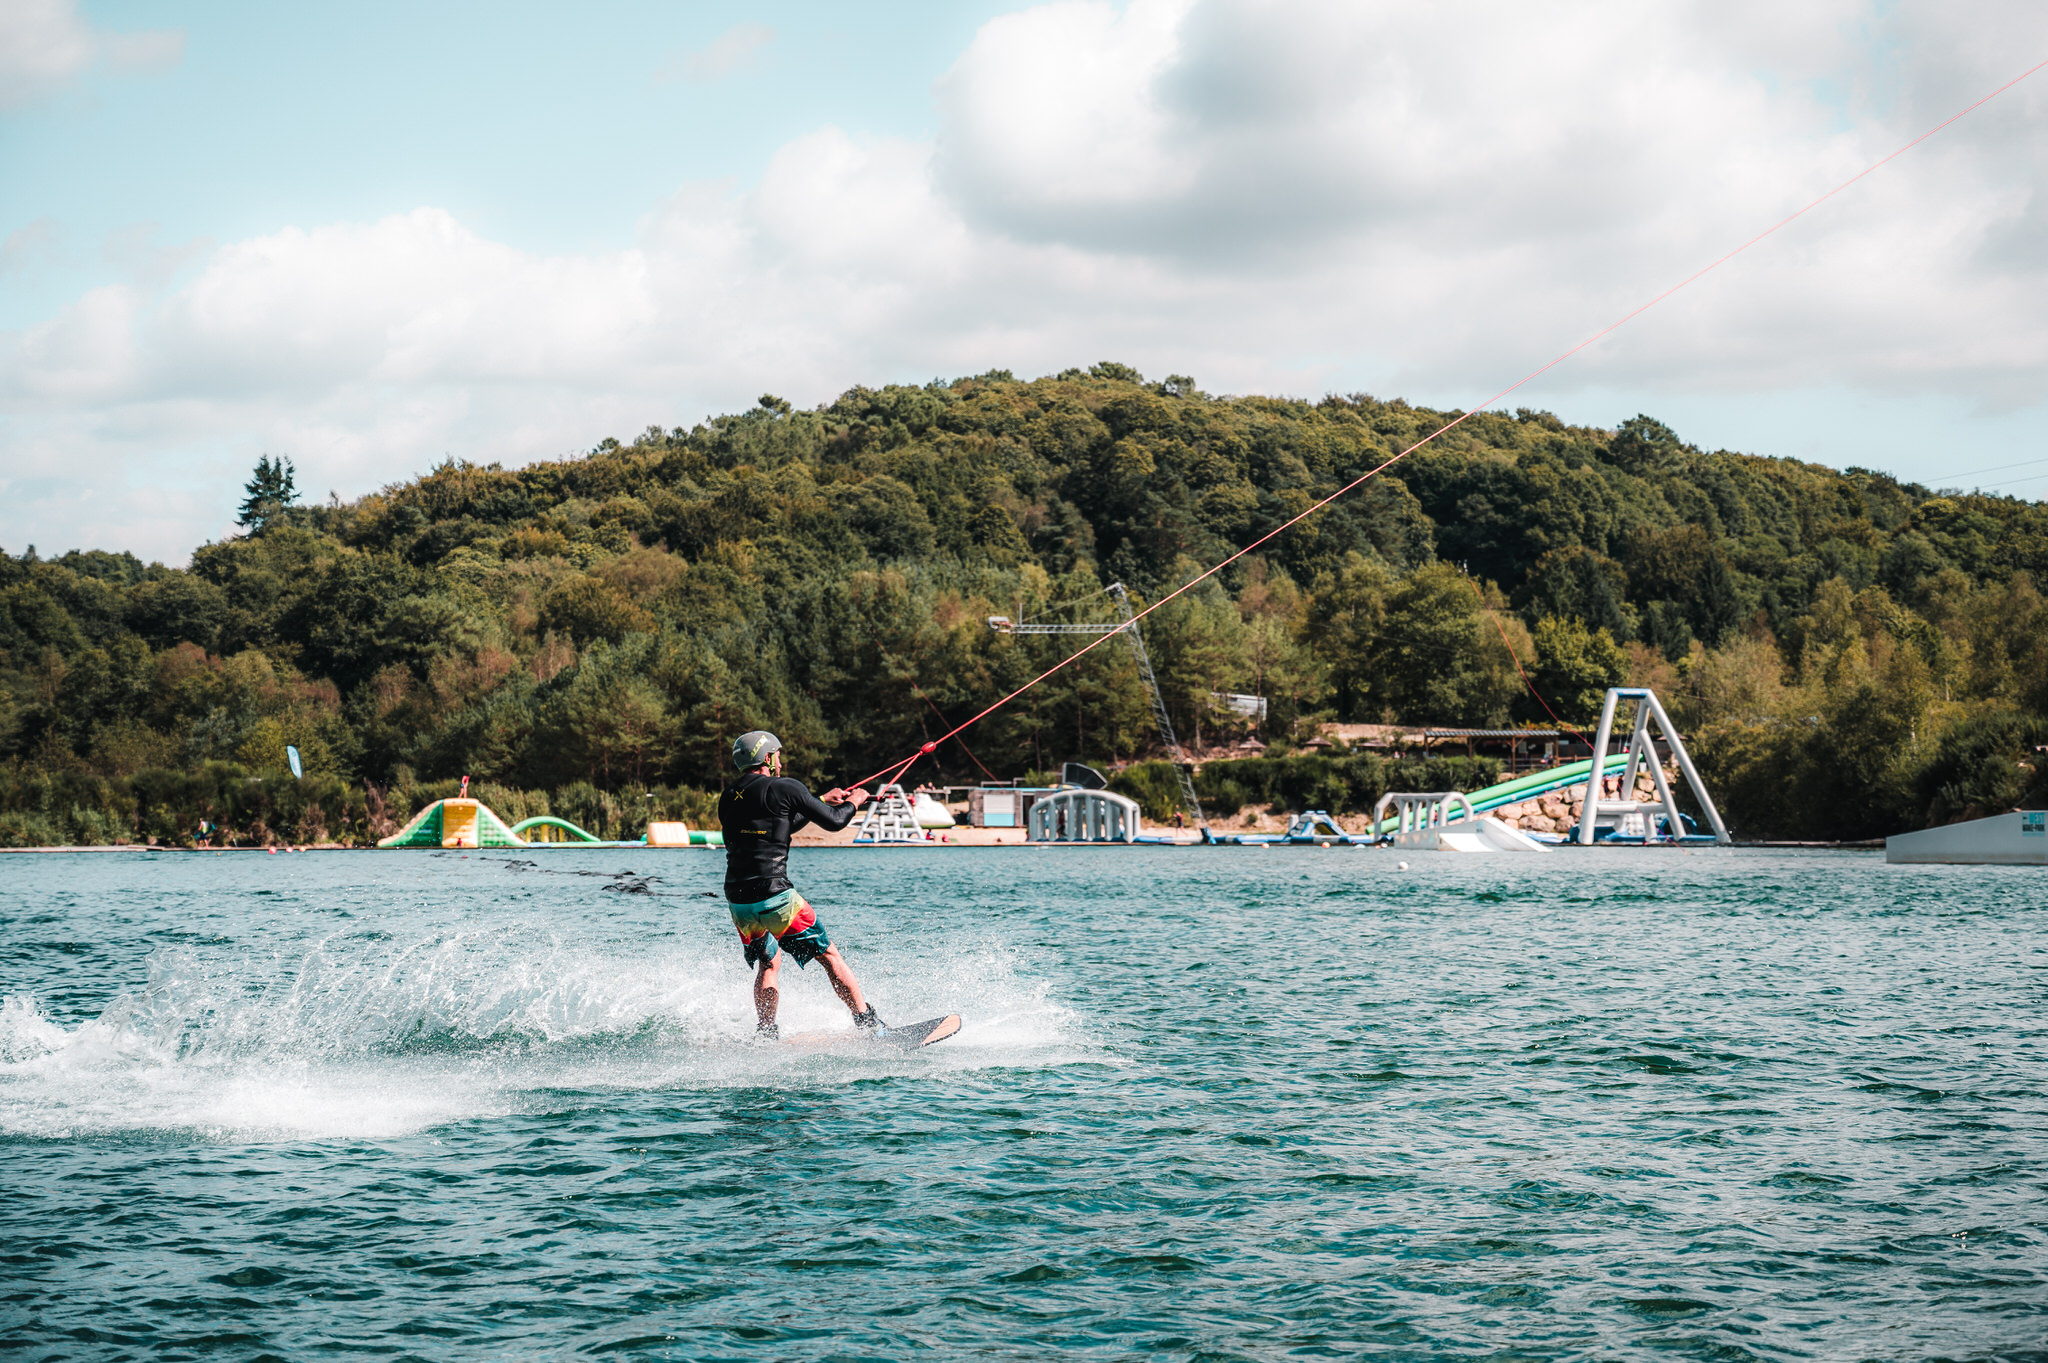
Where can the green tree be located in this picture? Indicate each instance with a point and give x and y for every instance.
(586, 609)
(887, 517)
(1855, 776)
(827, 574)
(1685, 586)
(1283, 670)
(1574, 666)
(177, 607)
(1347, 611)
(1987, 764)
(270, 492)
(1644, 445)
(1437, 661)
(1577, 584)
(607, 723)
(1197, 650)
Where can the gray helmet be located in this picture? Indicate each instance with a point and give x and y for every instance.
(752, 749)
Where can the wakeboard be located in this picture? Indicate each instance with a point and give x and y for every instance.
(905, 1038)
(919, 1033)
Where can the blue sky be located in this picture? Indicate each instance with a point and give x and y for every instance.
(372, 236)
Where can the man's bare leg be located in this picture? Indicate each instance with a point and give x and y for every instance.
(766, 995)
(843, 982)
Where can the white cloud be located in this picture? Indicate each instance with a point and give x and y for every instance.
(135, 252)
(1055, 112)
(1271, 196)
(1460, 188)
(731, 51)
(25, 244)
(45, 44)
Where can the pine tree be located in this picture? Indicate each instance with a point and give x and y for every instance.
(271, 493)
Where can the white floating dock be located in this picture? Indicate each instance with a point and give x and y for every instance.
(2016, 839)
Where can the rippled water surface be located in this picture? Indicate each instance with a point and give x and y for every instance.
(1208, 1103)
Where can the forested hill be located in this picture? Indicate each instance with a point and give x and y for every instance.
(1853, 655)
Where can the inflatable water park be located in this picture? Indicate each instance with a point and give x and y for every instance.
(1624, 795)
(465, 822)
(1607, 812)
(1620, 798)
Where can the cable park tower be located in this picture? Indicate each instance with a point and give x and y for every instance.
(1128, 626)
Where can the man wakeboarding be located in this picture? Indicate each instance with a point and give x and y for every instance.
(759, 811)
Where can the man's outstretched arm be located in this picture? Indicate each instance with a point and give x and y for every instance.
(834, 810)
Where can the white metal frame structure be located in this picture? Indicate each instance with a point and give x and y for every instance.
(1092, 816)
(1641, 753)
(1003, 624)
(1415, 810)
(892, 817)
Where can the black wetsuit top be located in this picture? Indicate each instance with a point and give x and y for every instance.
(759, 812)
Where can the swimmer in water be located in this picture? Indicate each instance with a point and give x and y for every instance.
(759, 811)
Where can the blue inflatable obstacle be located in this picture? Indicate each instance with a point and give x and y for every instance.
(1313, 828)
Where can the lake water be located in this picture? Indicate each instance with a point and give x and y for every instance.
(1208, 1104)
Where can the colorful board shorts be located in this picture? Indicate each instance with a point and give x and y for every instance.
(786, 920)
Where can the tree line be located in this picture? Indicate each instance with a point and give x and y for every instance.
(1850, 655)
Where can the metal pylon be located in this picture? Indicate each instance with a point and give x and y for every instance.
(1181, 766)
(1128, 626)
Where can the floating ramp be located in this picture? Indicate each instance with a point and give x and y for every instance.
(455, 823)
(2019, 838)
(1423, 823)
(1467, 835)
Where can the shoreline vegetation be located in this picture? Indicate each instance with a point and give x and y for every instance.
(1848, 655)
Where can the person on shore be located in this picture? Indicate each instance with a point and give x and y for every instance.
(759, 811)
